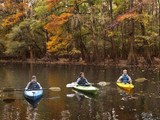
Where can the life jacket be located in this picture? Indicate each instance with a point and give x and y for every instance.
(82, 82)
(125, 78)
(33, 86)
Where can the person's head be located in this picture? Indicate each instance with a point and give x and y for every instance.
(125, 72)
(81, 74)
(34, 78)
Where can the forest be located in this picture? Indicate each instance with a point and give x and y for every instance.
(93, 30)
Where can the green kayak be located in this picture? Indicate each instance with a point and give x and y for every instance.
(87, 89)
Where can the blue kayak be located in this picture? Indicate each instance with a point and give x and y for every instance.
(33, 94)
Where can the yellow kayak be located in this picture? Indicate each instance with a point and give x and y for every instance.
(127, 91)
(125, 86)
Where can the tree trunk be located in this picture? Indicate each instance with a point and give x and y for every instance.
(31, 52)
(84, 52)
(47, 39)
(159, 15)
(124, 34)
(132, 59)
(83, 49)
(113, 51)
(94, 45)
(124, 48)
(147, 54)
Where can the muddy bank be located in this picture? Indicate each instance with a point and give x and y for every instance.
(106, 63)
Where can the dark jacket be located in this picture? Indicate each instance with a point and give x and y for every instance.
(33, 86)
(83, 81)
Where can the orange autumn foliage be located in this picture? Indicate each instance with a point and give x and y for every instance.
(8, 5)
(126, 16)
(70, 9)
(52, 3)
(16, 11)
(57, 22)
(58, 45)
(11, 20)
(21, 5)
(59, 40)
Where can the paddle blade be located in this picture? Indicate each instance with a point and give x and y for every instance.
(140, 79)
(103, 83)
(54, 97)
(55, 88)
(71, 85)
(8, 89)
(70, 95)
(9, 100)
(11, 89)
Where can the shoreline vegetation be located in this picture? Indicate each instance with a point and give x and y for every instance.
(100, 32)
(106, 63)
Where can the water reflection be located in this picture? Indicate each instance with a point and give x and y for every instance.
(140, 104)
(31, 113)
(33, 103)
(81, 95)
(65, 115)
(126, 94)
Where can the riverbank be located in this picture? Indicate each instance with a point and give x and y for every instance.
(106, 63)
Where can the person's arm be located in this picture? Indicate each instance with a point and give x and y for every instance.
(78, 80)
(27, 86)
(40, 87)
(119, 79)
(129, 79)
(87, 81)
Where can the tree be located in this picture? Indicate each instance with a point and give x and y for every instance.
(59, 40)
(25, 36)
(94, 29)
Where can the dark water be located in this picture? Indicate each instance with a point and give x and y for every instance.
(111, 103)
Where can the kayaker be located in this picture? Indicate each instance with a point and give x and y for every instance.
(82, 80)
(33, 84)
(125, 78)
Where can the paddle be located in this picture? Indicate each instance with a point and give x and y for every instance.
(53, 88)
(140, 79)
(13, 89)
(70, 95)
(10, 100)
(102, 83)
(73, 84)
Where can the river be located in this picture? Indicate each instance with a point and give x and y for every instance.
(112, 103)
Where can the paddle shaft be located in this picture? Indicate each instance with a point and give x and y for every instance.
(12, 89)
(102, 83)
(9, 100)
